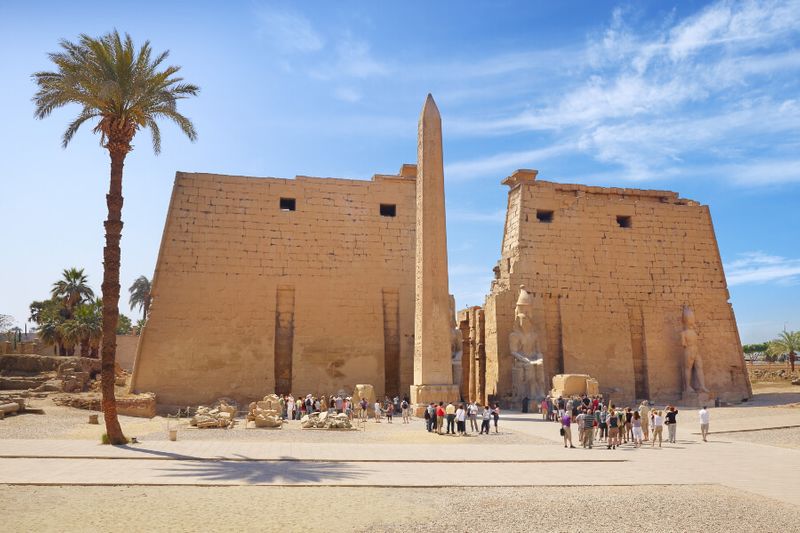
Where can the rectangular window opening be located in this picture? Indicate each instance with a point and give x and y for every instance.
(288, 204)
(624, 221)
(544, 216)
(388, 210)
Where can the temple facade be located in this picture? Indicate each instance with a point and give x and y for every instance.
(608, 276)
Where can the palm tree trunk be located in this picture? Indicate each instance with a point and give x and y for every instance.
(111, 261)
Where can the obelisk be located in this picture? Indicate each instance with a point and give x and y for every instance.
(433, 374)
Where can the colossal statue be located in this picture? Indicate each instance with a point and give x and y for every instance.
(527, 373)
(692, 359)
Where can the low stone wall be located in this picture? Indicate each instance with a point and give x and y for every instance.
(26, 364)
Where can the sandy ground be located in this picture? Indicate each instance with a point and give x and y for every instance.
(657, 508)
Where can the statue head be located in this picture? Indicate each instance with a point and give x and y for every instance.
(523, 311)
(688, 317)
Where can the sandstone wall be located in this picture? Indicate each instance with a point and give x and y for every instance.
(609, 297)
(325, 290)
(126, 351)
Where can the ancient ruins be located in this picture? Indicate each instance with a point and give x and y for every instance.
(610, 274)
(330, 283)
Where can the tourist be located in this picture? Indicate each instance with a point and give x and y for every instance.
(473, 416)
(561, 403)
(704, 423)
(566, 432)
(496, 416)
(427, 416)
(613, 429)
(588, 428)
(348, 407)
(431, 412)
(461, 420)
(621, 427)
(404, 406)
(644, 411)
(290, 407)
(672, 423)
(658, 427)
(439, 417)
(600, 420)
(628, 424)
(389, 411)
(377, 407)
(363, 404)
(525, 402)
(450, 411)
(338, 402)
(546, 408)
(486, 416)
(636, 423)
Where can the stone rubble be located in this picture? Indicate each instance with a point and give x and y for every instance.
(266, 413)
(221, 414)
(325, 420)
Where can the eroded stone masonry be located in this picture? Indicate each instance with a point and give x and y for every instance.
(312, 284)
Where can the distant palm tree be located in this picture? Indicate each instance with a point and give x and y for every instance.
(89, 320)
(72, 289)
(140, 295)
(788, 342)
(126, 90)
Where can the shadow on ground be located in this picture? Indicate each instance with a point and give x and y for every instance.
(247, 472)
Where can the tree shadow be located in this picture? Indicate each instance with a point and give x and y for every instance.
(159, 453)
(250, 472)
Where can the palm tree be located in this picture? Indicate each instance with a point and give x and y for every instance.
(140, 295)
(89, 320)
(788, 342)
(72, 289)
(126, 90)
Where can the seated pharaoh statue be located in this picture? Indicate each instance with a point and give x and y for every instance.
(527, 373)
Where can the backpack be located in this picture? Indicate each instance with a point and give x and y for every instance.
(427, 415)
(404, 405)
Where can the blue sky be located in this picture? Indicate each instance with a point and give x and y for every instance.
(700, 98)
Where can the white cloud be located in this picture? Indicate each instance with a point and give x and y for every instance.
(758, 267)
(717, 86)
(347, 94)
(288, 31)
(501, 165)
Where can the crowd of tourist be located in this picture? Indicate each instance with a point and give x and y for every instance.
(595, 421)
(455, 418)
(590, 417)
(295, 408)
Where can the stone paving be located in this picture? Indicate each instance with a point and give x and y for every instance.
(757, 468)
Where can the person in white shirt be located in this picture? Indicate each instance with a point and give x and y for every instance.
(704, 423)
(658, 426)
(461, 420)
(473, 416)
(377, 412)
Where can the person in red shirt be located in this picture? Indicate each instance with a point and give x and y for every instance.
(439, 417)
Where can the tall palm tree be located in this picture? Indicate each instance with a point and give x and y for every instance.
(788, 342)
(140, 295)
(126, 90)
(72, 289)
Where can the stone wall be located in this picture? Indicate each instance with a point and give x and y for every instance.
(610, 270)
(126, 351)
(242, 281)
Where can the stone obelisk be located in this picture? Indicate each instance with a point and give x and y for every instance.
(433, 374)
